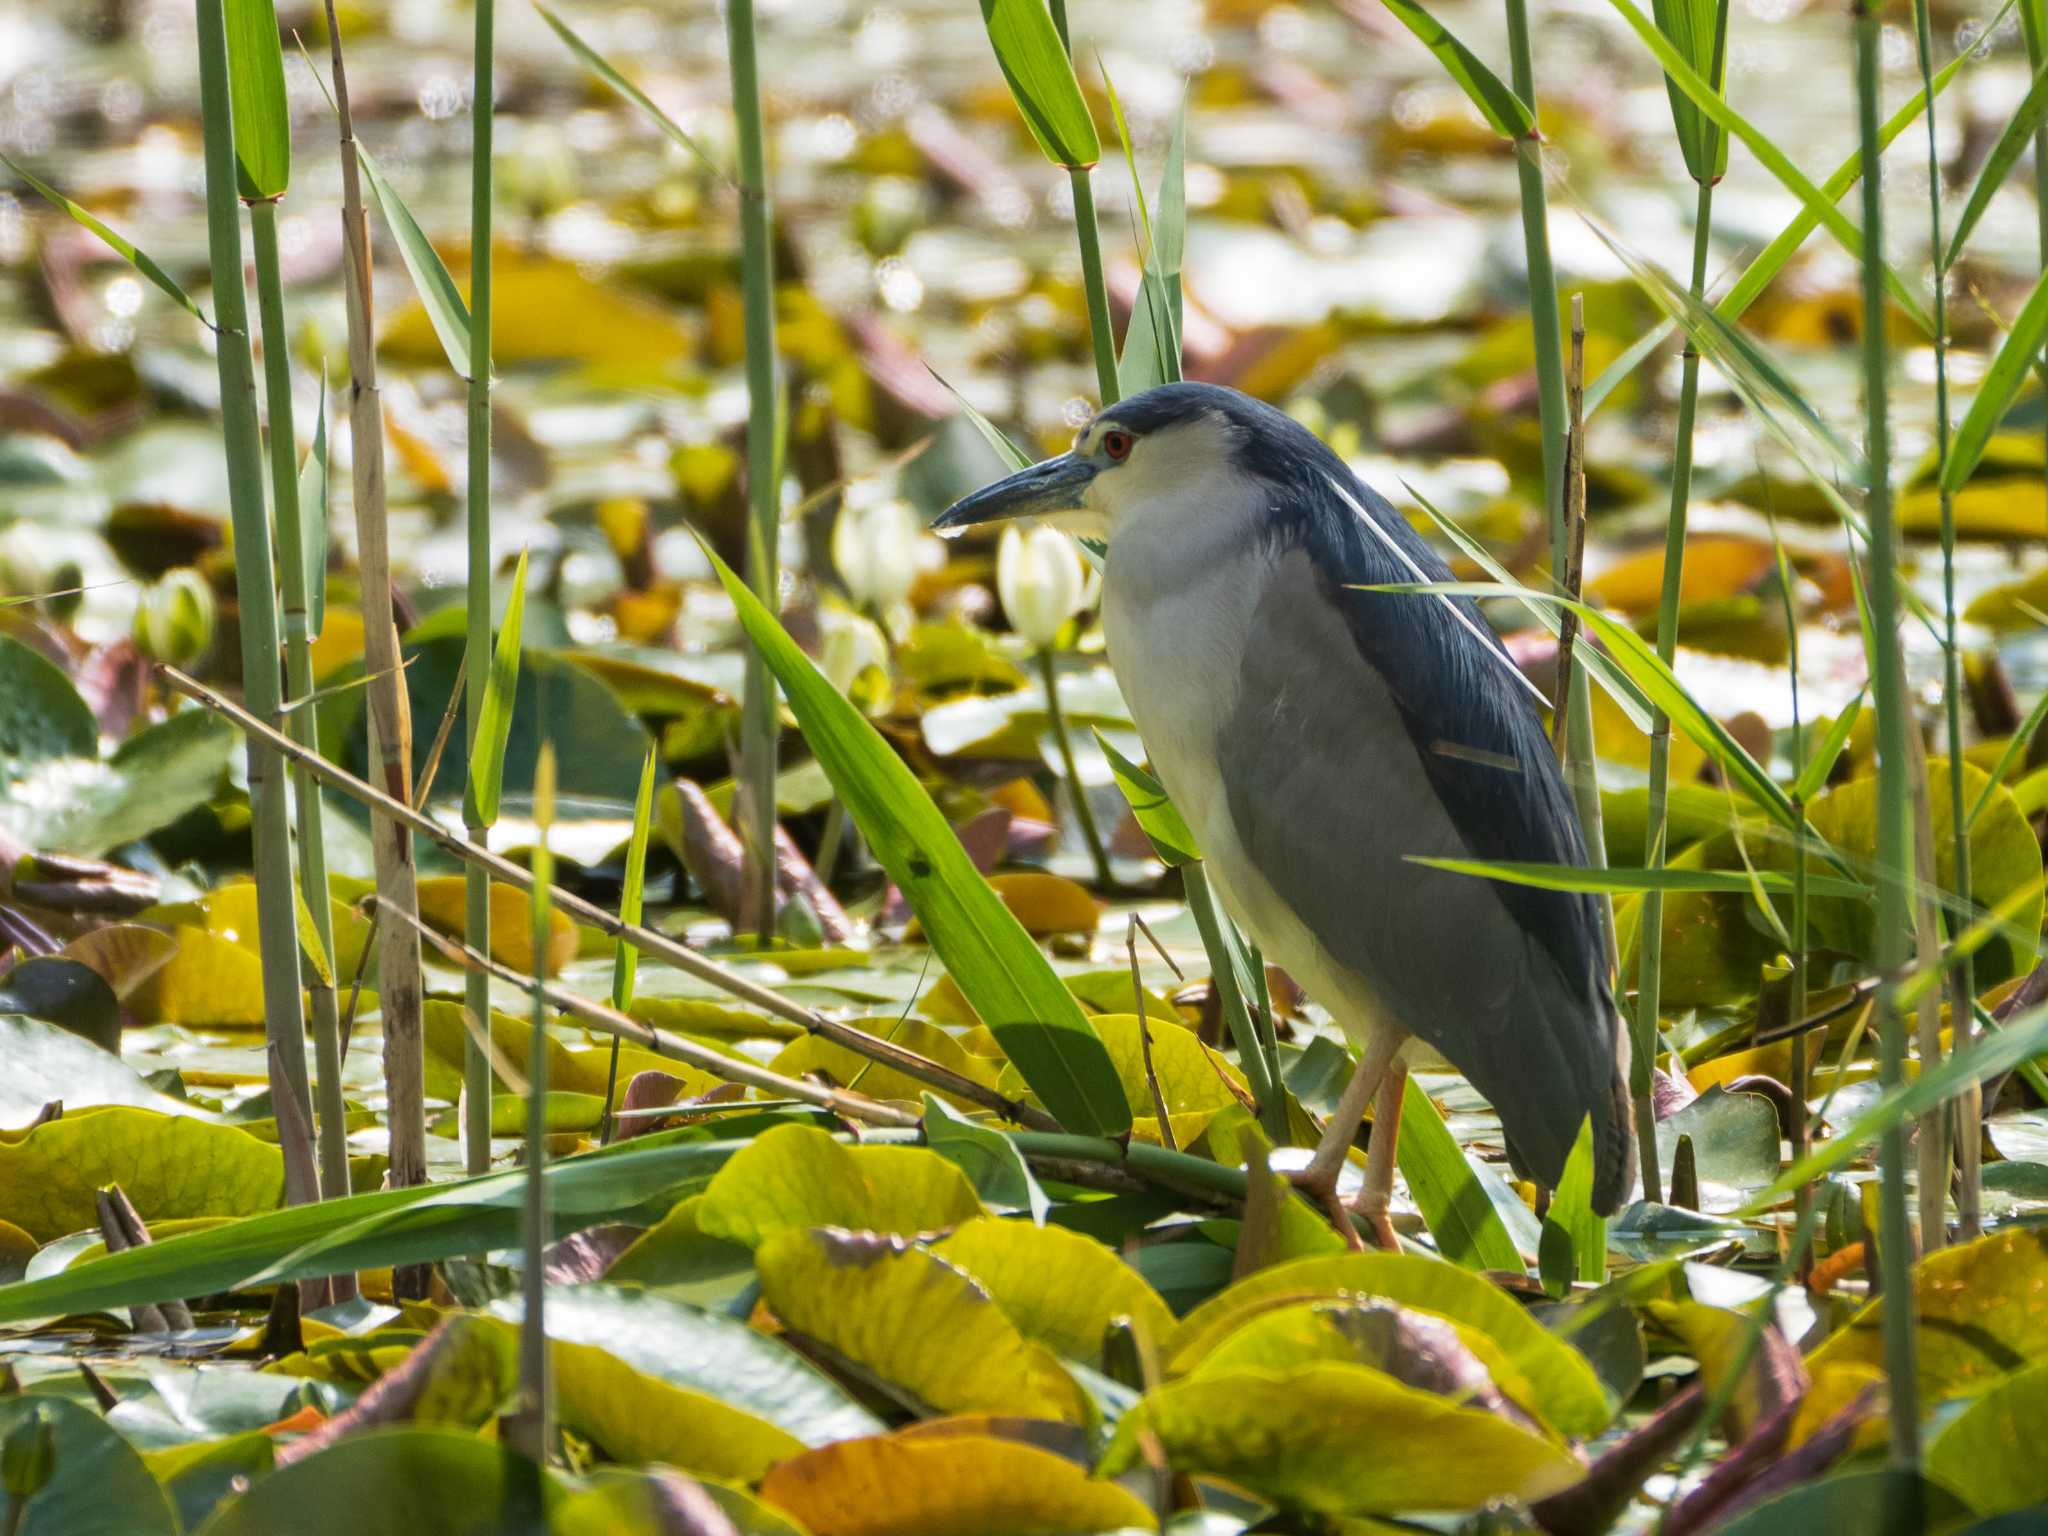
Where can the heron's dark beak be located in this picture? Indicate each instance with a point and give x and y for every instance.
(1056, 485)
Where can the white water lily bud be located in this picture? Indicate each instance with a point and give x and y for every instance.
(1041, 580)
(874, 545)
(849, 647)
(174, 621)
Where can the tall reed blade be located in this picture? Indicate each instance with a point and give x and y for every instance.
(1962, 979)
(759, 718)
(1700, 31)
(263, 152)
(390, 721)
(527, 1428)
(476, 910)
(256, 591)
(625, 957)
(305, 720)
(1894, 851)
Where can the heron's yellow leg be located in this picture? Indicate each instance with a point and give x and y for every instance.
(1319, 1178)
(1378, 1189)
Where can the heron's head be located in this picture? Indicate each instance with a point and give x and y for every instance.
(1179, 451)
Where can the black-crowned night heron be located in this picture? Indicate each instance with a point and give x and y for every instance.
(1315, 735)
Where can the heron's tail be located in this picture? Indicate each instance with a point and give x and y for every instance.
(1614, 1147)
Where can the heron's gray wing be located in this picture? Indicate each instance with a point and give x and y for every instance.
(1366, 734)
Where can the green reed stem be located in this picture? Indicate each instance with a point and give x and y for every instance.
(1962, 978)
(476, 905)
(1089, 832)
(304, 722)
(758, 727)
(1099, 329)
(255, 590)
(1650, 975)
(1551, 421)
(528, 1429)
(2034, 28)
(1894, 856)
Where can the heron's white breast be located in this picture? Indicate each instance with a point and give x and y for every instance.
(1178, 610)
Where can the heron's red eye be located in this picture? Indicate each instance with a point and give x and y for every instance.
(1117, 445)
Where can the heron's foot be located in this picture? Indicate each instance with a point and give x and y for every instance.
(1374, 1215)
(1320, 1185)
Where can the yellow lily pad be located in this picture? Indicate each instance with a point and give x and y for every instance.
(1980, 1309)
(168, 1165)
(569, 1071)
(442, 899)
(1991, 1453)
(965, 1485)
(1300, 1440)
(798, 1176)
(813, 1053)
(1565, 1392)
(1059, 1287)
(208, 981)
(551, 311)
(913, 1319)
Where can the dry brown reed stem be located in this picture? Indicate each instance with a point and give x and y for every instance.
(398, 953)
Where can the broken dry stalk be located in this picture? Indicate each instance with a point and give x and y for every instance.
(398, 952)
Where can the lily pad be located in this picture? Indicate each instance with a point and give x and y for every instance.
(1059, 1287)
(1991, 1454)
(948, 1486)
(98, 1485)
(1565, 1391)
(57, 794)
(798, 1176)
(1980, 1312)
(912, 1319)
(168, 1165)
(1295, 1438)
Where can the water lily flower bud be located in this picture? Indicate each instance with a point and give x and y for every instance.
(850, 648)
(174, 622)
(874, 545)
(1042, 581)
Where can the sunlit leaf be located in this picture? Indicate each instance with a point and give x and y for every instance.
(118, 244)
(904, 1485)
(262, 117)
(1155, 813)
(1454, 1205)
(1565, 1391)
(430, 279)
(913, 1319)
(797, 1176)
(2013, 139)
(1698, 29)
(1991, 1453)
(1682, 75)
(168, 1165)
(1424, 1452)
(598, 65)
(1979, 1312)
(990, 1159)
(1505, 112)
(98, 1485)
(1034, 61)
(1003, 974)
(1059, 1287)
(2008, 370)
(313, 518)
(625, 958)
(494, 720)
